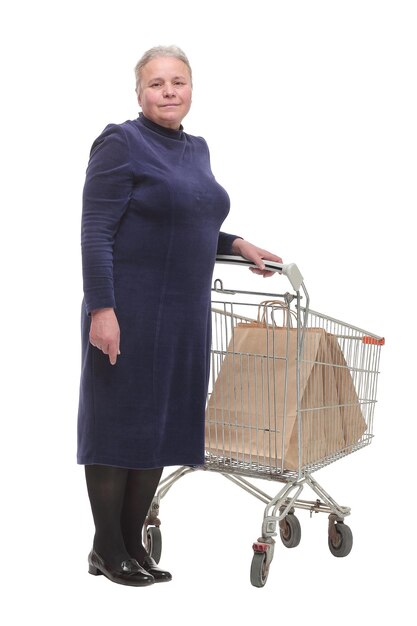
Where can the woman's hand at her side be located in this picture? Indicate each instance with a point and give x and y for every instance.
(256, 255)
(105, 333)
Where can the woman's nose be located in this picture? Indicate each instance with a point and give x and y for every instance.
(169, 89)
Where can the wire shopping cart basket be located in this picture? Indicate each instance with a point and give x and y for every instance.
(291, 391)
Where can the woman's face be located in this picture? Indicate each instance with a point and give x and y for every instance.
(165, 91)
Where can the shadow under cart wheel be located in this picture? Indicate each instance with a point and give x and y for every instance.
(340, 539)
(259, 569)
(154, 542)
(290, 531)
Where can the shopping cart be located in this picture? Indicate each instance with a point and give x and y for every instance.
(291, 391)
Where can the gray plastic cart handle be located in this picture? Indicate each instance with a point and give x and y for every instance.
(290, 270)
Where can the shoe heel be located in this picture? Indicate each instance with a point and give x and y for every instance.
(93, 570)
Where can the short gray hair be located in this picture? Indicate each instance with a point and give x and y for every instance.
(160, 51)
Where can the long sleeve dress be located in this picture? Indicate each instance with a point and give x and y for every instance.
(152, 212)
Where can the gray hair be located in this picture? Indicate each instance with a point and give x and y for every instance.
(160, 51)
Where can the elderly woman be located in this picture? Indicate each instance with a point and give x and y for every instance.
(152, 212)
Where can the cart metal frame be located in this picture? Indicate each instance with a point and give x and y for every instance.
(279, 512)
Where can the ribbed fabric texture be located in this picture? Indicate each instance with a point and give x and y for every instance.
(152, 212)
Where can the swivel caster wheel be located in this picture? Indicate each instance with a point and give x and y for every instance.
(154, 541)
(290, 531)
(340, 539)
(261, 560)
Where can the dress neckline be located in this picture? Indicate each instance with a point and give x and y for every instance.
(162, 130)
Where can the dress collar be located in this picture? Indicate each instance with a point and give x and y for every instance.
(162, 130)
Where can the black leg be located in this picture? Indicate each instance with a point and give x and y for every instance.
(106, 489)
(140, 490)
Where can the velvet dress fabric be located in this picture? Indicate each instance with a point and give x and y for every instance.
(152, 212)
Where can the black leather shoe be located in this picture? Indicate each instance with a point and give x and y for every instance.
(159, 575)
(128, 573)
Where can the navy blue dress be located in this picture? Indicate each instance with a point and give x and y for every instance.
(152, 212)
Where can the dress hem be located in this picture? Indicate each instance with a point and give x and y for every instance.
(150, 465)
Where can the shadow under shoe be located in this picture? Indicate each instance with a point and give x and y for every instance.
(128, 573)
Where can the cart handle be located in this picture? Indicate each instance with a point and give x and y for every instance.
(290, 270)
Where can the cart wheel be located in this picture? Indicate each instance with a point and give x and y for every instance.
(154, 542)
(290, 531)
(340, 540)
(259, 569)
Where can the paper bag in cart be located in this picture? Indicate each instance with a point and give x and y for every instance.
(252, 411)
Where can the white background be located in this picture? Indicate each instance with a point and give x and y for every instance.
(309, 109)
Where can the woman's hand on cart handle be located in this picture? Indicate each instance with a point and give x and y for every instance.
(256, 255)
(105, 333)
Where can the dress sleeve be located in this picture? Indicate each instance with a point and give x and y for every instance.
(107, 192)
(224, 244)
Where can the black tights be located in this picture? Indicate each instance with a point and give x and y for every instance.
(120, 499)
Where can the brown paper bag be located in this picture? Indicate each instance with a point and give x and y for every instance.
(252, 411)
